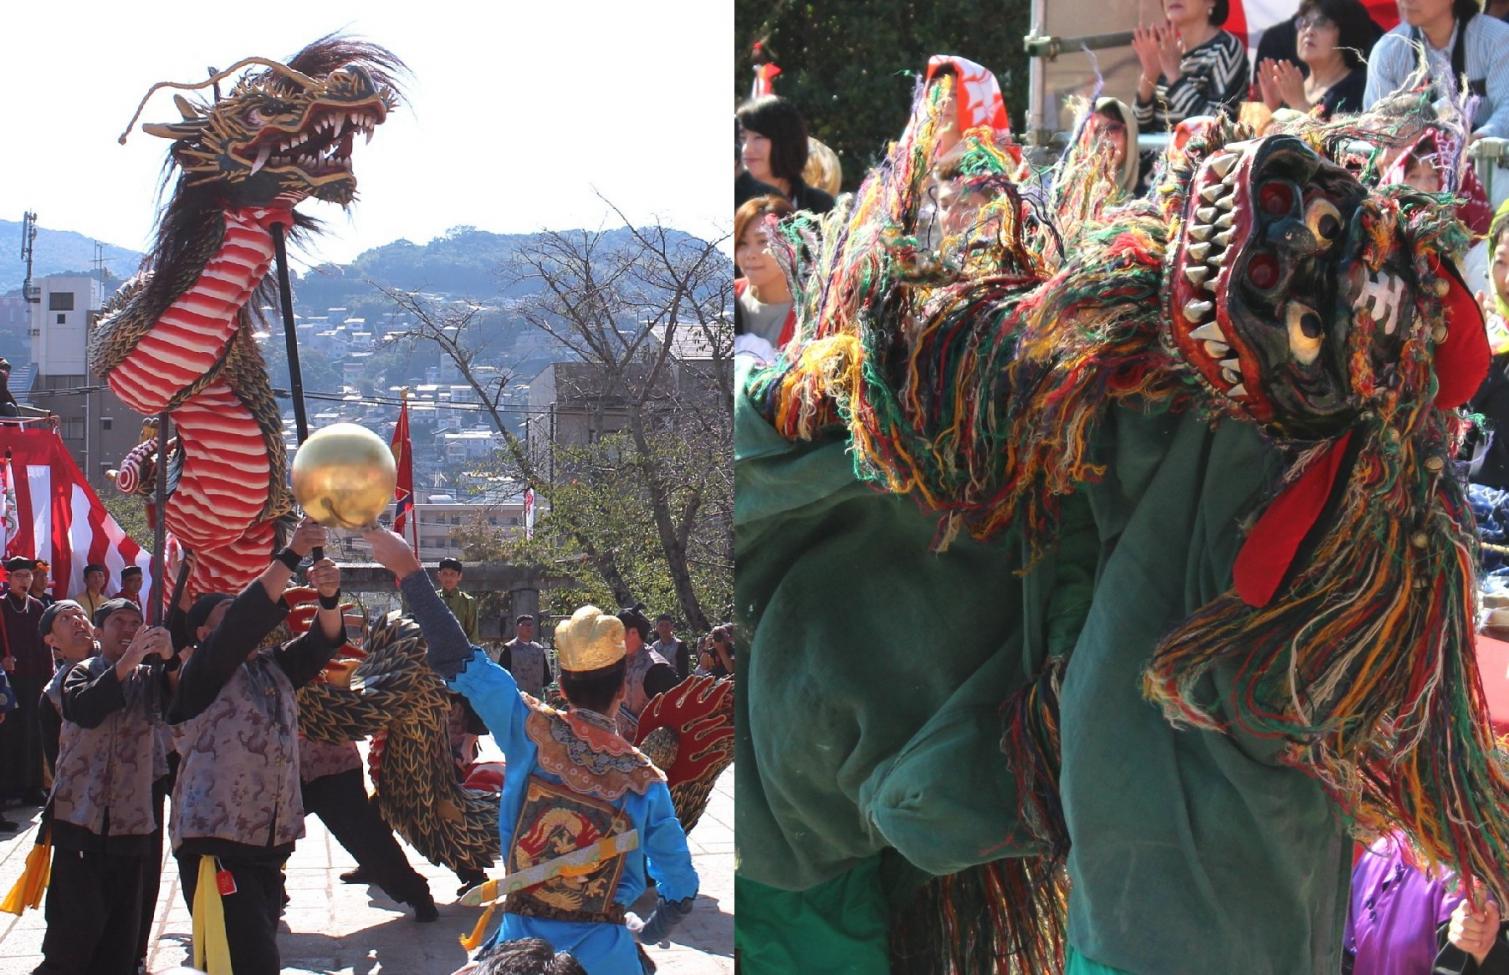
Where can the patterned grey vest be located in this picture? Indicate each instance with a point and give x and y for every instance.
(528, 666)
(111, 767)
(238, 779)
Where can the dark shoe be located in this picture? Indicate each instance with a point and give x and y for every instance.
(425, 910)
(7, 825)
(357, 876)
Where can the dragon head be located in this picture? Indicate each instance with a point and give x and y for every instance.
(286, 133)
(1278, 265)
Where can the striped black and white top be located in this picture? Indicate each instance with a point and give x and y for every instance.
(1213, 78)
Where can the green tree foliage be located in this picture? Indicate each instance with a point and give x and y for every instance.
(599, 503)
(850, 65)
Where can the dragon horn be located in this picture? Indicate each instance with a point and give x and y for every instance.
(282, 69)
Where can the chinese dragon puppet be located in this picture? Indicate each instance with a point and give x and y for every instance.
(178, 337)
(1163, 487)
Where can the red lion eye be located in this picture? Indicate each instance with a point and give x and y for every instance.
(1262, 271)
(1276, 199)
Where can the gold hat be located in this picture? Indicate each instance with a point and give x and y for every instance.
(589, 640)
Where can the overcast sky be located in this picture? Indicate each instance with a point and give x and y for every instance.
(517, 112)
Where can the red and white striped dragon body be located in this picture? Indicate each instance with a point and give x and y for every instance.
(179, 336)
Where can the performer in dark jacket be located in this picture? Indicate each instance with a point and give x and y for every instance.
(101, 812)
(28, 664)
(237, 808)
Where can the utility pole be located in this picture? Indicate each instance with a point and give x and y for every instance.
(28, 235)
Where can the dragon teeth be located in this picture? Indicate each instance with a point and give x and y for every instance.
(1237, 392)
(1197, 275)
(1210, 192)
(261, 159)
(1196, 310)
(1205, 214)
(1209, 332)
(1200, 231)
(1216, 349)
(338, 124)
(1224, 237)
(1230, 370)
(1198, 251)
(1226, 220)
(1222, 164)
(1226, 202)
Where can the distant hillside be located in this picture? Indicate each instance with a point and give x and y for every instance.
(463, 263)
(56, 252)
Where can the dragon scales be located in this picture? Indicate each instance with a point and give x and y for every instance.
(178, 336)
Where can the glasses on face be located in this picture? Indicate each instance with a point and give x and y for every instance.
(1313, 22)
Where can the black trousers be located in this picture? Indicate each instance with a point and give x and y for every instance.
(151, 871)
(93, 914)
(251, 913)
(21, 740)
(342, 803)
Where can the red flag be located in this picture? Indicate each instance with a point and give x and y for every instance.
(403, 491)
(57, 515)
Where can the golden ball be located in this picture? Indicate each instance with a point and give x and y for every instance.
(343, 476)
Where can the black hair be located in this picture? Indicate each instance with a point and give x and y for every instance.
(95, 567)
(131, 570)
(633, 618)
(523, 618)
(528, 956)
(1465, 9)
(594, 689)
(449, 563)
(665, 616)
(1355, 31)
(1219, 11)
(778, 120)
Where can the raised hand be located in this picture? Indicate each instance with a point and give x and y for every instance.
(1291, 85)
(1170, 52)
(1145, 43)
(309, 536)
(325, 576)
(391, 551)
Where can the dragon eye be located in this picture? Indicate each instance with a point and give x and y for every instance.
(1276, 199)
(1305, 332)
(1262, 271)
(255, 116)
(1324, 221)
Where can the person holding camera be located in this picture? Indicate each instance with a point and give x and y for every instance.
(102, 813)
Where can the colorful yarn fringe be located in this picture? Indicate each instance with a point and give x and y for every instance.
(1002, 918)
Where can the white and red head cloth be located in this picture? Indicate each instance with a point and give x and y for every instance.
(977, 94)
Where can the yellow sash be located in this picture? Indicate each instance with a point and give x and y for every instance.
(212, 953)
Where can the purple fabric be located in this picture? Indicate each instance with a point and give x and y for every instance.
(1396, 909)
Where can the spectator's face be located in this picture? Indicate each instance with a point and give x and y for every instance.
(1500, 268)
(948, 118)
(117, 631)
(755, 152)
(1107, 131)
(1419, 12)
(20, 580)
(632, 641)
(94, 581)
(39, 581)
(1423, 177)
(663, 628)
(754, 257)
(525, 630)
(71, 634)
(132, 583)
(705, 660)
(449, 579)
(1185, 11)
(1317, 38)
